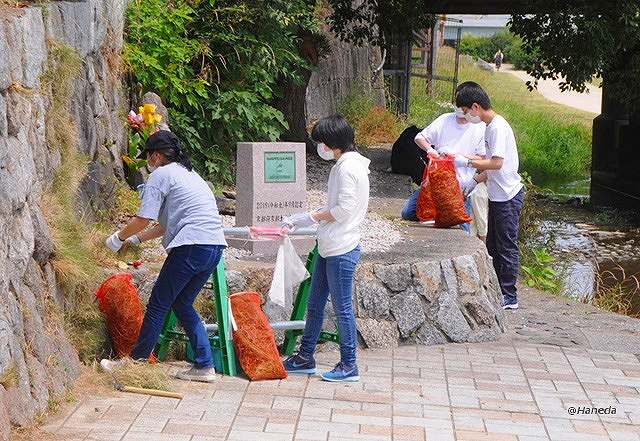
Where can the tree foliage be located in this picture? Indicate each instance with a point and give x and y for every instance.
(486, 47)
(216, 64)
(380, 22)
(586, 41)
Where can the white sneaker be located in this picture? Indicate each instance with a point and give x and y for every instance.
(111, 365)
(510, 306)
(206, 375)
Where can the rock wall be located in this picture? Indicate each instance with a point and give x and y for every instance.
(429, 302)
(422, 301)
(344, 69)
(37, 362)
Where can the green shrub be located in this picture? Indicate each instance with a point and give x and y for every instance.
(538, 271)
(218, 66)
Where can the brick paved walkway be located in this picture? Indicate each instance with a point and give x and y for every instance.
(466, 392)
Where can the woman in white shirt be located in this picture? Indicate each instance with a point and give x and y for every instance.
(338, 246)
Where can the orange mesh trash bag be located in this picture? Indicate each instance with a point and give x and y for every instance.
(254, 340)
(119, 302)
(425, 208)
(446, 193)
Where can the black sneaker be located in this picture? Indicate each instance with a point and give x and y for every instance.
(300, 364)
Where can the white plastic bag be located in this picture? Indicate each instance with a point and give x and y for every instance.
(287, 274)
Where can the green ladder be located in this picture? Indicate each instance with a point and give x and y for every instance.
(224, 340)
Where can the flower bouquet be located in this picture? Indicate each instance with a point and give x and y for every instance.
(141, 125)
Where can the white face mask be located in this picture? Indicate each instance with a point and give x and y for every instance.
(460, 113)
(324, 152)
(473, 119)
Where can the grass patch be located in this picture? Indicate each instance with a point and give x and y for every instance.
(616, 291)
(79, 255)
(373, 124)
(554, 141)
(142, 374)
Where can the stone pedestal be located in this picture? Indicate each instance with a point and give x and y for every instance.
(271, 183)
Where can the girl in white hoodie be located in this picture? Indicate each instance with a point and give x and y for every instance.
(338, 246)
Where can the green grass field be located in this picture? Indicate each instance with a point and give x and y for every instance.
(554, 141)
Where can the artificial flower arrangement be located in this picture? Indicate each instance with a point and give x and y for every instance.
(141, 125)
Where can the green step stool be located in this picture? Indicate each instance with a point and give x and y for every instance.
(224, 354)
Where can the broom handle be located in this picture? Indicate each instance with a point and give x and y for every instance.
(154, 392)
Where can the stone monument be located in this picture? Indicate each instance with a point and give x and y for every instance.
(271, 183)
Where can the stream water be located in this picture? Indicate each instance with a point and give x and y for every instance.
(594, 251)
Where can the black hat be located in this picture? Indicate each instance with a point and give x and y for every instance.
(161, 140)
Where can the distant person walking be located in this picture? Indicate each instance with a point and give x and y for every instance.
(497, 58)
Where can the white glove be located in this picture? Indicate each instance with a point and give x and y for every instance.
(299, 220)
(461, 161)
(134, 240)
(467, 187)
(114, 243)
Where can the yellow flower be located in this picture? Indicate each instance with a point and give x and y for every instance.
(127, 160)
(148, 112)
(147, 108)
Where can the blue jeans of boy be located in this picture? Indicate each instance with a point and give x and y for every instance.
(409, 209)
(502, 243)
(333, 275)
(184, 273)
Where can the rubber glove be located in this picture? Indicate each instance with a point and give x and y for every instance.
(299, 220)
(461, 161)
(114, 243)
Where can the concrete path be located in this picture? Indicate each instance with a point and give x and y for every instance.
(589, 102)
(557, 361)
(464, 392)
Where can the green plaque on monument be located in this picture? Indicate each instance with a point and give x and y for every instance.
(279, 167)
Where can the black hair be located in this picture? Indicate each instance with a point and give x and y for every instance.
(334, 131)
(178, 156)
(470, 92)
(466, 84)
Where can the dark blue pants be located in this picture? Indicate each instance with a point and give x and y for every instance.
(333, 275)
(184, 273)
(502, 243)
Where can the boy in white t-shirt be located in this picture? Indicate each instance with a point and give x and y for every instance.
(504, 186)
(450, 133)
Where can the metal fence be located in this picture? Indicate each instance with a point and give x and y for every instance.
(430, 61)
(436, 59)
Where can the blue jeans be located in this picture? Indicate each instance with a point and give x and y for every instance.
(502, 243)
(333, 275)
(409, 209)
(184, 273)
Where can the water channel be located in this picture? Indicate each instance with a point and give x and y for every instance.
(594, 250)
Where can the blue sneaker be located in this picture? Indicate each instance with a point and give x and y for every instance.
(342, 372)
(509, 304)
(300, 364)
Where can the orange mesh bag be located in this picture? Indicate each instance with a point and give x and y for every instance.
(446, 193)
(119, 302)
(254, 340)
(425, 208)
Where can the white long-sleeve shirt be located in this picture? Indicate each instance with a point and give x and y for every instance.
(348, 200)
